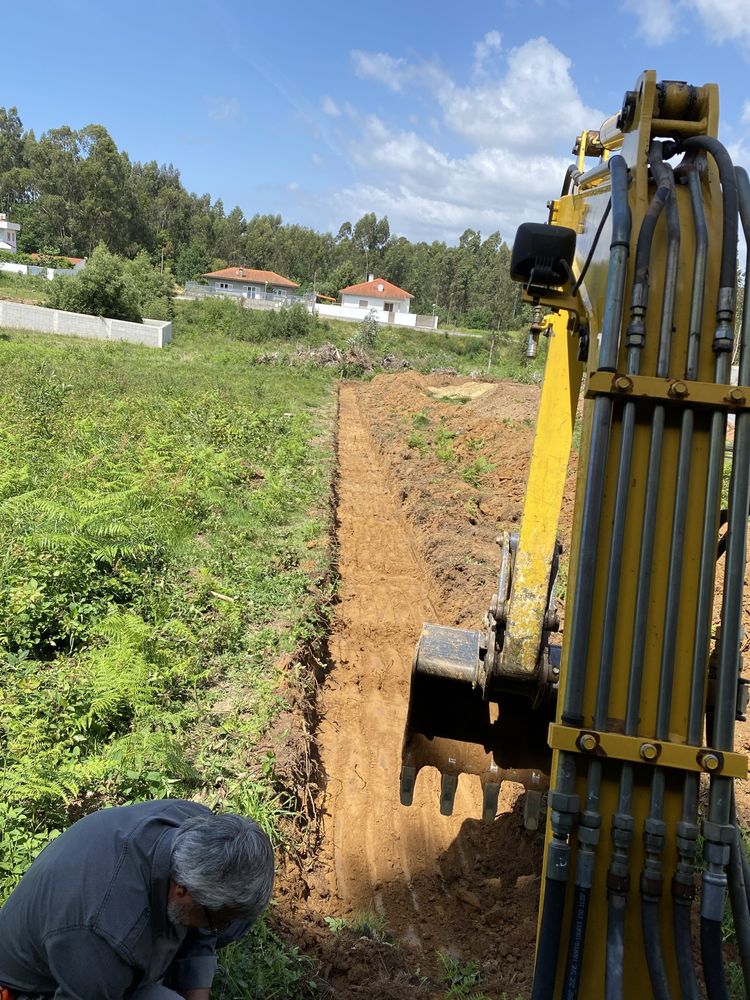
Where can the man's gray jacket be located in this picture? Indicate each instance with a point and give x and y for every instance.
(88, 921)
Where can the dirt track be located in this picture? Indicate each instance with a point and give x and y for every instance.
(415, 538)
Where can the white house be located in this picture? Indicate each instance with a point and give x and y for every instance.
(377, 293)
(8, 231)
(250, 283)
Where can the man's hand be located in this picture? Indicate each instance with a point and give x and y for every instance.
(196, 995)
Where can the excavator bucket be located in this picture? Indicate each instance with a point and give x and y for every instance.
(451, 727)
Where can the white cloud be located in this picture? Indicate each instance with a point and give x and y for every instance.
(657, 19)
(514, 123)
(722, 20)
(381, 67)
(317, 160)
(223, 109)
(292, 186)
(534, 105)
(484, 50)
(330, 107)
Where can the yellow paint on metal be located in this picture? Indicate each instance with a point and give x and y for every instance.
(670, 390)
(544, 492)
(581, 210)
(616, 746)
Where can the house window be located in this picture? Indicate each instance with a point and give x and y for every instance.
(363, 303)
(224, 284)
(388, 306)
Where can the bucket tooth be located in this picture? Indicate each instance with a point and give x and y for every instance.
(490, 800)
(448, 786)
(532, 809)
(408, 777)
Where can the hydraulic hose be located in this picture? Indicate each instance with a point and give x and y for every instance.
(738, 900)
(727, 274)
(577, 939)
(719, 831)
(615, 968)
(654, 833)
(545, 968)
(713, 966)
(738, 865)
(618, 878)
(652, 947)
(683, 942)
(590, 820)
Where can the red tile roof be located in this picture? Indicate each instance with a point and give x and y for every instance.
(378, 288)
(252, 275)
(73, 260)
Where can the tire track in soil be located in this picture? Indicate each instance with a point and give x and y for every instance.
(434, 880)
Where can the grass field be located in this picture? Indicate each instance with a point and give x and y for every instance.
(23, 288)
(164, 530)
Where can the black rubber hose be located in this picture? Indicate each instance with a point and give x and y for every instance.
(646, 234)
(545, 967)
(576, 942)
(746, 875)
(654, 959)
(738, 900)
(728, 273)
(713, 965)
(683, 945)
(615, 968)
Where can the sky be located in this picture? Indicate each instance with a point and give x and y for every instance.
(442, 116)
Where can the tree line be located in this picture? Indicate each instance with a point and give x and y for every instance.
(73, 189)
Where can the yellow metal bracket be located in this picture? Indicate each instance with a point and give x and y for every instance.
(669, 390)
(636, 749)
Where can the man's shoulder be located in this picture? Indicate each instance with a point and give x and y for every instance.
(128, 820)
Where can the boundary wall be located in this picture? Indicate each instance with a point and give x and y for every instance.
(46, 272)
(18, 316)
(386, 318)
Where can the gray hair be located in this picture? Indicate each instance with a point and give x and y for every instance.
(225, 862)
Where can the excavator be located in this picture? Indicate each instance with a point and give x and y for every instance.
(623, 733)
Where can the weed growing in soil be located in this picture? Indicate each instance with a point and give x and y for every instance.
(462, 979)
(264, 967)
(476, 471)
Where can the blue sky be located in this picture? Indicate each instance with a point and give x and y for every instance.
(440, 115)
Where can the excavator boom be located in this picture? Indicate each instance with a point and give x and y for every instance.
(637, 266)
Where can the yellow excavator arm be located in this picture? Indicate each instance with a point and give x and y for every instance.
(633, 727)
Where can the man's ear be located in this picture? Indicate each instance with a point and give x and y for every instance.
(178, 893)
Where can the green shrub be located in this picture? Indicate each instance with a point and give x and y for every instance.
(102, 288)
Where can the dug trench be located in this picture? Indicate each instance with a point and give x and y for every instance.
(429, 469)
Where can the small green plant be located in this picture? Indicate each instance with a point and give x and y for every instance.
(476, 471)
(420, 420)
(443, 448)
(416, 440)
(263, 967)
(371, 925)
(462, 979)
(336, 924)
(367, 333)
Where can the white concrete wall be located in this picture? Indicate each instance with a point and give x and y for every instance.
(46, 272)
(357, 314)
(17, 316)
(399, 305)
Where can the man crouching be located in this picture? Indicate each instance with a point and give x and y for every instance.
(133, 902)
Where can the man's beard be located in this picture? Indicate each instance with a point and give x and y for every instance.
(178, 914)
